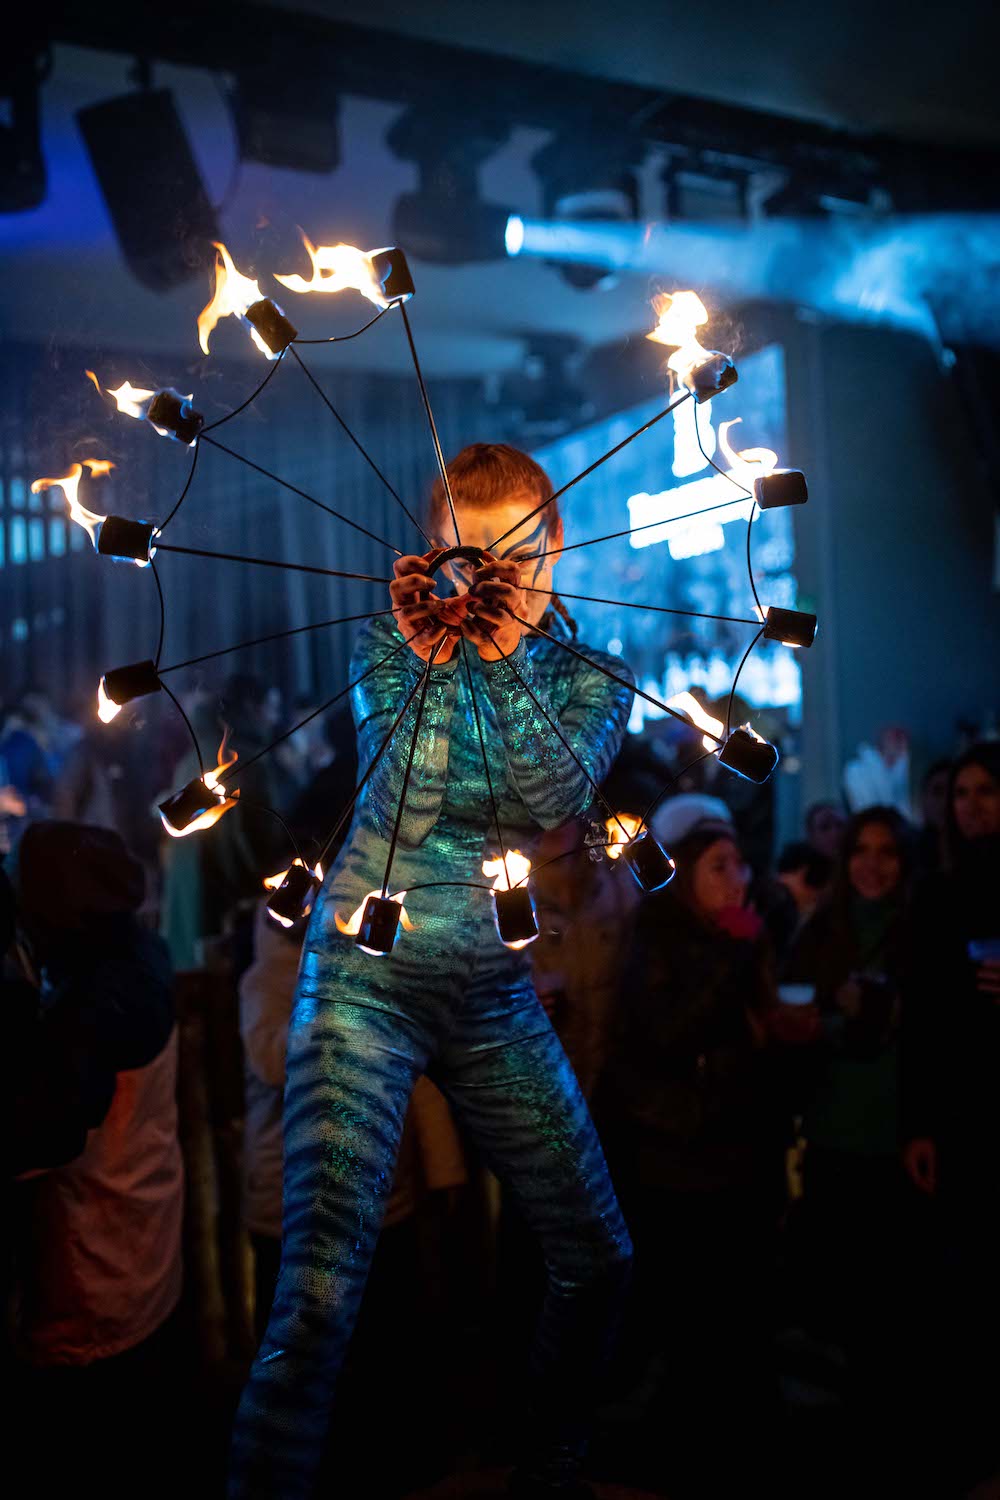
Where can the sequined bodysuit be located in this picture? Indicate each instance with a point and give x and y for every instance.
(450, 1001)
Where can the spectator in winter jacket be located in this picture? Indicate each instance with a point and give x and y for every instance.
(696, 1150)
(98, 1210)
(850, 958)
(950, 1067)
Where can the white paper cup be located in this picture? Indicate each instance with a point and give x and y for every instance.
(796, 994)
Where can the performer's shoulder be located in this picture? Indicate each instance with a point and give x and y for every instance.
(375, 635)
(602, 662)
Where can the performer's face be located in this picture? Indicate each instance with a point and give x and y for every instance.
(526, 545)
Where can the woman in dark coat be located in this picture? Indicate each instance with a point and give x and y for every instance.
(950, 1094)
(696, 1146)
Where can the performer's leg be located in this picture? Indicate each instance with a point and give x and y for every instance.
(505, 1072)
(350, 1072)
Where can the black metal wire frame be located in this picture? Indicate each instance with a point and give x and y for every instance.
(269, 562)
(753, 509)
(674, 778)
(693, 614)
(432, 425)
(294, 488)
(732, 693)
(613, 536)
(482, 747)
(425, 682)
(255, 806)
(358, 444)
(237, 767)
(560, 736)
(190, 729)
(277, 635)
(345, 338)
(163, 615)
(369, 773)
(612, 676)
(557, 494)
(184, 492)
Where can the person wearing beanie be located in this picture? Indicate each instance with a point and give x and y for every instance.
(98, 1203)
(689, 1122)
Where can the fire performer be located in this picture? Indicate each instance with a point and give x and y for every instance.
(450, 1000)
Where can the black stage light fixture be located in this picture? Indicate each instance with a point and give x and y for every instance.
(22, 166)
(590, 176)
(542, 400)
(285, 118)
(162, 215)
(446, 221)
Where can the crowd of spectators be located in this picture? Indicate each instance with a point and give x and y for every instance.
(791, 1057)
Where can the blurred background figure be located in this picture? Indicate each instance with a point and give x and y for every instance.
(951, 1106)
(879, 775)
(98, 1210)
(824, 828)
(933, 816)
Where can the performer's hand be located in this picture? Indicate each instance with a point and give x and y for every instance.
(418, 612)
(494, 596)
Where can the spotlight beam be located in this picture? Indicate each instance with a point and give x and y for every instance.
(591, 467)
(285, 484)
(277, 635)
(358, 445)
(268, 562)
(612, 676)
(439, 455)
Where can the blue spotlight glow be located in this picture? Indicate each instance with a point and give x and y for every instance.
(513, 237)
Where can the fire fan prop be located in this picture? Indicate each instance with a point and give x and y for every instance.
(695, 374)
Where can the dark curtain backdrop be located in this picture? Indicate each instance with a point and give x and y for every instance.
(67, 615)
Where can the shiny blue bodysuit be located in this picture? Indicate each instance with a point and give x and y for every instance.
(452, 1002)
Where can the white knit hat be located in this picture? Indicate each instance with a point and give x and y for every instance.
(678, 816)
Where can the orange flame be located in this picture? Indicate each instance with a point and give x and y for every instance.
(273, 882)
(210, 781)
(678, 315)
(687, 703)
(746, 464)
(508, 872)
(131, 399)
(97, 384)
(70, 485)
(352, 926)
(620, 830)
(335, 268)
(107, 709)
(233, 294)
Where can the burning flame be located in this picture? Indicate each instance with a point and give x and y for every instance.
(687, 703)
(335, 268)
(107, 709)
(210, 780)
(131, 399)
(70, 484)
(273, 882)
(620, 830)
(233, 294)
(512, 870)
(749, 463)
(352, 926)
(678, 315)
